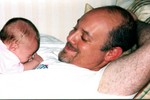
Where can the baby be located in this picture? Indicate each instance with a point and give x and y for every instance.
(19, 42)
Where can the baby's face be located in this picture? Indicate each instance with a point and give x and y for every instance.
(26, 49)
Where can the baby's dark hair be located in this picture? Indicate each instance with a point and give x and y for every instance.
(18, 27)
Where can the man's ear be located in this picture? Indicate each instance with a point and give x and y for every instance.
(113, 54)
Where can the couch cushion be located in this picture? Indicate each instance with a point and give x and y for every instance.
(142, 9)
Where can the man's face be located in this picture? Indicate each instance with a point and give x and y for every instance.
(84, 42)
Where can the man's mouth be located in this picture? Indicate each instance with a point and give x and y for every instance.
(69, 47)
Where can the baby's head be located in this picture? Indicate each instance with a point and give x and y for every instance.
(21, 37)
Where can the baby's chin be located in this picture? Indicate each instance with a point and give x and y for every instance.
(23, 62)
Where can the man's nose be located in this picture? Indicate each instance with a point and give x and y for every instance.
(73, 37)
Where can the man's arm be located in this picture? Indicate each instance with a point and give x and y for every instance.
(130, 73)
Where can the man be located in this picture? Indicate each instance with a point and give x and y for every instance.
(91, 44)
(99, 37)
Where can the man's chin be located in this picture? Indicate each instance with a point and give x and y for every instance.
(64, 57)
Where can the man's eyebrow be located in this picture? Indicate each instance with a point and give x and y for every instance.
(88, 34)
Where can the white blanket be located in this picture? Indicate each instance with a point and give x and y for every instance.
(59, 81)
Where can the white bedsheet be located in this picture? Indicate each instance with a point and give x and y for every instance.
(49, 48)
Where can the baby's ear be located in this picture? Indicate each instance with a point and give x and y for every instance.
(13, 46)
(113, 54)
